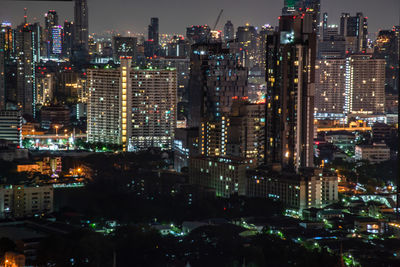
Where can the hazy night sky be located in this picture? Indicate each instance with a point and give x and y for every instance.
(176, 15)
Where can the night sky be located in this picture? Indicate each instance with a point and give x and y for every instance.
(175, 15)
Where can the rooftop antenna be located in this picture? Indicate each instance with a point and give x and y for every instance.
(25, 15)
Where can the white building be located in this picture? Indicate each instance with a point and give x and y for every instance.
(375, 153)
(18, 201)
(316, 189)
(330, 86)
(135, 108)
(365, 85)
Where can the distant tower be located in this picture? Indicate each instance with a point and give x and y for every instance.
(81, 25)
(153, 31)
(50, 20)
(152, 43)
(68, 39)
(27, 43)
(229, 31)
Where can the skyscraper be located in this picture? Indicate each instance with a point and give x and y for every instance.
(4, 32)
(56, 40)
(215, 78)
(247, 42)
(229, 31)
(81, 26)
(386, 47)
(290, 69)
(152, 44)
(68, 39)
(27, 54)
(153, 33)
(50, 20)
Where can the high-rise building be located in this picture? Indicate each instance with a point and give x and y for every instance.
(387, 48)
(68, 39)
(330, 86)
(355, 31)
(56, 40)
(124, 47)
(229, 31)
(332, 45)
(152, 45)
(178, 47)
(291, 6)
(81, 26)
(50, 21)
(135, 108)
(262, 48)
(198, 34)
(365, 85)
(10, 126)
(4, 41)
(153, 33)
(247, 41)
(216, 78)
(291, 55)
(154, 102)
(182, 66)
(311, 7)
(27, 55)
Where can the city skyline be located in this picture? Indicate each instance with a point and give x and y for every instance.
(174, 20)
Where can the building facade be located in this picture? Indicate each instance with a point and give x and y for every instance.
(375, 153)
(290, 69)
(226, 175)
(296, 191)
(10, 126)
(135, 108)
(25, 201)
(365, 85)
(330, 86)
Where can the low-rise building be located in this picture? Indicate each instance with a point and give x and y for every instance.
(18, 201)
(375, 153)
(10, 126)
(299, 191)
(227, 175)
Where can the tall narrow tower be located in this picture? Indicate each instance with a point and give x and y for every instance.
(81, 25)
(290, 69)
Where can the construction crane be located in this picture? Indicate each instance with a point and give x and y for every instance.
(218, 18)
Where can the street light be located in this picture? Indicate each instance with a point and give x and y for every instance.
(56, 127)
